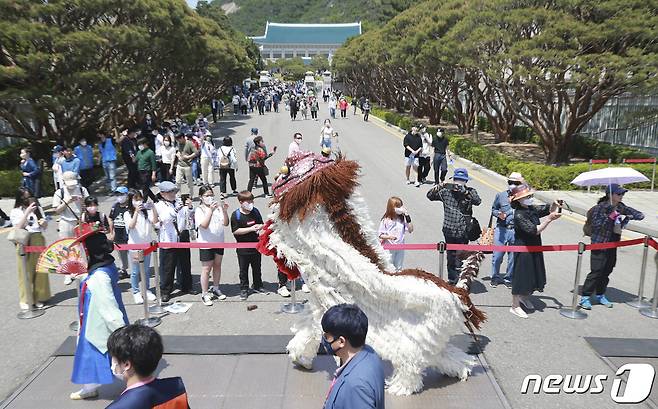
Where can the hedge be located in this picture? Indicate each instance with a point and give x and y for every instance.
(539, 176)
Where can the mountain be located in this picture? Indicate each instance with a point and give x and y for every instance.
(250, 16)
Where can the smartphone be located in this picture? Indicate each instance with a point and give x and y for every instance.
(37, 212)
(561, 203)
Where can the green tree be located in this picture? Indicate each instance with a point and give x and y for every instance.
(68, 67)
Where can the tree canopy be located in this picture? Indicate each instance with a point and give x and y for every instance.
(549, 65)
(68, 67)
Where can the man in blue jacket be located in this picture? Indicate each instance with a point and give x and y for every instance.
(504, 232)
(359, 381)
(85, 153)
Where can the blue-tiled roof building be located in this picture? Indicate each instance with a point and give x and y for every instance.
(304, 40)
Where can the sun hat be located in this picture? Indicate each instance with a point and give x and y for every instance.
(521, 191)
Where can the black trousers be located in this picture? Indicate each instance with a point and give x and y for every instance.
(423, 167)
(283, 279)
(253, 260)
(133, 175)
(440, 167)
(255, 173)
(222, 179)
(365, 115)
(343, 113)
(214, 116)
(261, 110)
(243, 109)
(454, 265)
(314, 114)
(293, 113)
(602, 263)
(86, 177)
(164, 171)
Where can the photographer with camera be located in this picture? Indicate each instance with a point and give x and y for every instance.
(459, 226)
(139, 221)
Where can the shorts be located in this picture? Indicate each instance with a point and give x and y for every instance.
(411, 161)
(209, 254)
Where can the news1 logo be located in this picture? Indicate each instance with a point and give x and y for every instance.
(638, 386)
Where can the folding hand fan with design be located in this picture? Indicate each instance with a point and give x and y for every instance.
(63, 258)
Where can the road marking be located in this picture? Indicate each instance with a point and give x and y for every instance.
(5, 230)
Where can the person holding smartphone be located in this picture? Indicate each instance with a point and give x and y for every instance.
(28, 215)
(139, 221)
(257, 167)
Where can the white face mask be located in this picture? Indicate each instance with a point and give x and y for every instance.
(247, 206)
(511, 187)
(137, 203)
(92, 209)
(527, 201)
(167, 143)
(122, 199)
(142, 147)
(116, 370)
(207, 200)
(83, 143)
(399, 210)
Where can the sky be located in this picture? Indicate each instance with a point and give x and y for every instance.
(191, 3)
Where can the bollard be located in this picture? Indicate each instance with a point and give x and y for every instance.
(147, 320)
(293, 307)
(75, 325)
(639, 302)
(31, 312)
(441, 247)
(157, 309)
(651, 311)
(574, 312)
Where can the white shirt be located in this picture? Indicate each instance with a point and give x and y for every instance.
(215, 231)
(229, 152)
(207, 148)
(141, 233)
(168, 217)
(159, 143)
(32, 222)
(294, 147)
(326, 133)
(76, 206)
(168, 154)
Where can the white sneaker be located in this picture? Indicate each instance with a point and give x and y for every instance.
(217, 293)
(409, 182)
(283, 291)
(138, 298)
(206, 300)
(24, 306)
(67, 280)
(150, 296)
(527, 304)
(518, 311)
(305, 288)
(417, 184)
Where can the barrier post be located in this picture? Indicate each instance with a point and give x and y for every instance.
(156, 308)
(75, 324)
(293, 307)
(589, 170)
(653, 174)
(651, 311)
(441, 246)
(574, 312)
(31, 312)
(639, 302)
(147, 320)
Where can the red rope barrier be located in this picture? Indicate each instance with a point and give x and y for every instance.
(187, 245)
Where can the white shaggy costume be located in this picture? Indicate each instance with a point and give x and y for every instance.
(319, 227)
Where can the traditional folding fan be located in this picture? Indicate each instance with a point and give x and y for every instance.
(63, 257)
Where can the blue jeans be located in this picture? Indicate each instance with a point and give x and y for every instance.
(397, 258)
(110, 168)
(134, 272)
(196, 174)
(503, 236)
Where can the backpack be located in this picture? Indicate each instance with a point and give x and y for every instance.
(224, 161)
(587, 227)
(254, 210)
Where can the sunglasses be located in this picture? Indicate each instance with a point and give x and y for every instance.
(513, 182)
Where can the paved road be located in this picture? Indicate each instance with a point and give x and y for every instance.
(544, 344)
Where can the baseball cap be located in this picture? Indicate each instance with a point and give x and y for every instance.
(167, 186)
(461, 174)
(254, 131)
(70, 178)
(616, 189)
(122, 189)
(58, 148)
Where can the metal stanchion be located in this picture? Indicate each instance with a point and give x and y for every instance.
(651, 311)
(147, 320)
(441, 246)
(157, 307)
(639, 302)
(31, 312)
(293, 307)
(75, 325)
(574, 312)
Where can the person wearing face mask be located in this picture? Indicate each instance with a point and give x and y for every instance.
(326, 134)
(366, 109)
(246, 222)
(139, 221)
(529, 273)
(146, 164)
(394, 224)
(257, 167)
(208, 160)
(30, 170)
(502, 211)
(91, 214)
(27, 214)
(71, 163)
(168, 152)
(413, 145)
(441, 156)
(108, 159)
(136, 351)
(211, 218)
(85, 153)
(359, 381)
(118, 227)
(101, 312)
(68, 202)
(458, 201)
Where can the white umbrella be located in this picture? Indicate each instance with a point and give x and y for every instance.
(608, 176)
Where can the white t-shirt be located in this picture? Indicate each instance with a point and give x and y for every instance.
(294, 147)
(32, 222)
(168, 217)
(159, 143)
(168, 154)
(76, 206)
(229, 152)
(215, 231)
(326, 133)
(141, 233)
